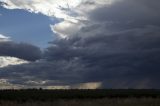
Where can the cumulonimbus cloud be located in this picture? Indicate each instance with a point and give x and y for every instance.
(116, 43)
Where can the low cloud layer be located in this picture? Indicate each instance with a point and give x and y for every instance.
(20, 50)
(112, 42)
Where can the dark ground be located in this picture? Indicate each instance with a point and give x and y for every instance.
(101, 97)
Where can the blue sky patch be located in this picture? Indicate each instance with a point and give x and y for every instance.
(23, 26)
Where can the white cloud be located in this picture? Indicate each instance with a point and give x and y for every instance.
(4, 38)
(53, 8)
(66, 28)
(73, 12)
(57, 8)
(6, 61)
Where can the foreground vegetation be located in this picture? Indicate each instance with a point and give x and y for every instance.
(34, 97)
(89, 102)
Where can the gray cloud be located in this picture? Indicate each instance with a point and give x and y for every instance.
(125, 11)
(54, 73)
(129, 59)
(20, 50)
(118, 45)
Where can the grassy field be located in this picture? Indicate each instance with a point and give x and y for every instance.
(101, 97)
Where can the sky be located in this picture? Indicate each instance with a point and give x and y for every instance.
(23, 26)
(81, 43)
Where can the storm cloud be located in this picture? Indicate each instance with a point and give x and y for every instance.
(130, 56)
(116, 43)
(20, 50)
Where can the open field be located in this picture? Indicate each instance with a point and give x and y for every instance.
(35, 97)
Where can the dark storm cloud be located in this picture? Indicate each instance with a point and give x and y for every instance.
(20, 50)
(55, 72)
(119, 46)
(130, 57)
(125, 14)
(131, 10)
